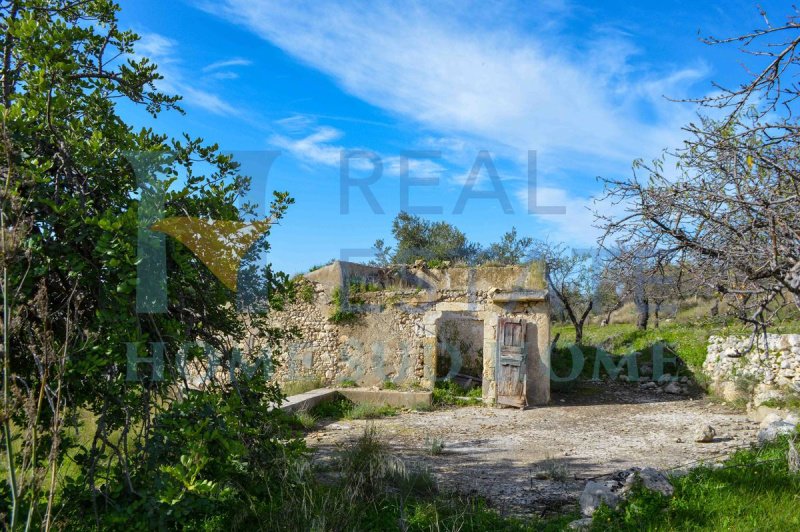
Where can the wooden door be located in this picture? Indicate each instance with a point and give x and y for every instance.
(511, 362)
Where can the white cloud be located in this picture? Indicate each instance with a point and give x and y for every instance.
(165, 53)
(236, 61)
(314, 148)
(518, 91)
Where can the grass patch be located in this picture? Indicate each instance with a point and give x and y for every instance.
(306, 419)
(302, 386)
(335, 409)
(754, 490)
(790, 401)
(449, 393)
(370, 411)
(434, 446)
(347, 383)
(343, 408)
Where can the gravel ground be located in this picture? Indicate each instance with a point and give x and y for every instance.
(510, 456)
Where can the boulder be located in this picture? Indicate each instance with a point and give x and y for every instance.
(595, 494)
(704, 434)
(775, 429)
(652, 479)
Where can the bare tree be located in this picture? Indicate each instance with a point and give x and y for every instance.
(573, 276)
(729, 213)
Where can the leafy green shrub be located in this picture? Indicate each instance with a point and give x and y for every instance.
(335, 409)
(348, 383)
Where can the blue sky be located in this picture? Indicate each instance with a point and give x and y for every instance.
(582, 84)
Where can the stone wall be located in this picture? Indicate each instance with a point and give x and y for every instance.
(383, 343)
(401, 314)
(762, 373)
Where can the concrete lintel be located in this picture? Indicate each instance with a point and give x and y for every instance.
(521, 296)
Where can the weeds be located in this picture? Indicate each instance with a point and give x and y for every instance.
(370, 411)
(448, 393)
(302, 385)
(306, 419)
(552, 469)
(434, 446)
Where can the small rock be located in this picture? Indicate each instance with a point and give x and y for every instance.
(673, 388)
(595, 494)
(580, 524)
(648, 385)
(678, 440)
(704, 434)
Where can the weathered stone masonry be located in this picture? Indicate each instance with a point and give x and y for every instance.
(403, 313)
(759, 374)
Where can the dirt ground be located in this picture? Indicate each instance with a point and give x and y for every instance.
(502, 453)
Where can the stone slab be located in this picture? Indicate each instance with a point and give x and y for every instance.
(308, 400)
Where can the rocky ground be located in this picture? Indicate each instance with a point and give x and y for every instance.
(538, 460)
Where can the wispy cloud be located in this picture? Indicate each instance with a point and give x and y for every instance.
(452, 75)
(165, 53)
(236, 61)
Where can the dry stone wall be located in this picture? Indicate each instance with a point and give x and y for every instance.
(767, 371)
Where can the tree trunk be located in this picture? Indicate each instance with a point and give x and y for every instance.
(643, 306)
(656, 310)
(578, 333)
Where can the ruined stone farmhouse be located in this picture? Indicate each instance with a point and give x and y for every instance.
(412, 325)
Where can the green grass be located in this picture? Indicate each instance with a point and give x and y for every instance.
(688, 340)
(754, 490)
(448, 393)
(335, 409)
(345, 409)
(302, 385)
(790, 401)
(370, 411)
(306, 419)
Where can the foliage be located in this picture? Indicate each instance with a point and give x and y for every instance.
(344, 309)
(419, 239)
(71, 211)
(573, 276)
(511, 249)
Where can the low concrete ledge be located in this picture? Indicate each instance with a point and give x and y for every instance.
(308, 400)
(396, 398)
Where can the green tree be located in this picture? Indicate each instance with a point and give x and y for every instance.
(511, 249)
(419, 239)
(69, 259)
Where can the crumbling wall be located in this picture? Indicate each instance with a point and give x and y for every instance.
(388, 320)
